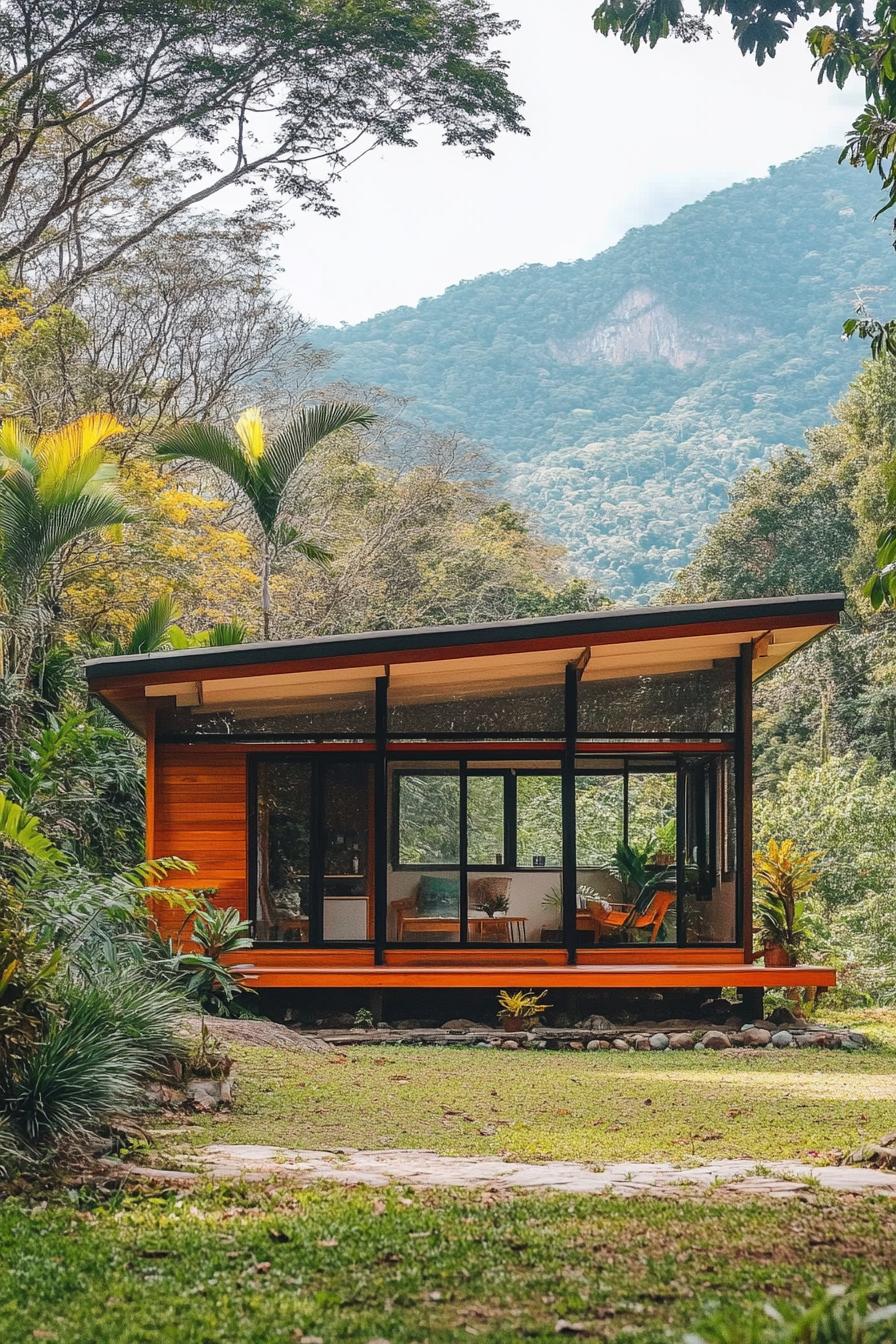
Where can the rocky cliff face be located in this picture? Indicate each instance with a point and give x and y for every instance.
(643, 328)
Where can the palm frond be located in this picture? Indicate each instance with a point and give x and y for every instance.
(227, 632)
(210, 445)
(152, 871)
(310, 427)
(21, 832)
(150, 631)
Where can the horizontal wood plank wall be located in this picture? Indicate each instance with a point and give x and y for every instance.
(200, 814)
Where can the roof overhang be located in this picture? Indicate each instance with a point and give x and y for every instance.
(611, 644)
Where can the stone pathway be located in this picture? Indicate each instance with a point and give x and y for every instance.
(776, 1180)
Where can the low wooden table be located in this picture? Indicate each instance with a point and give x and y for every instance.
(482, 928)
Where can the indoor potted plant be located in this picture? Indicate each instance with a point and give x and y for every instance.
(783, 875)
(520, 1011)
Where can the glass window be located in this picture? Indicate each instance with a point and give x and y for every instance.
(699, 702)
(539, 821)
(284, 851)
(651, 811)
(485, 820)
(600, 821)
(325, 716)
(709, 863)
(346, 795)
(530, 711)
(428, 818)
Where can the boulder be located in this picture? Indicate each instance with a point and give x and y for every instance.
(208, 1094)
(596, 1022)
(510, 1045)
(783, 1017)
(641, 1042)
(732, 1023)
(594, 1045)
(255, 1031)
(716, 1040)
(755, 1036)
(815, 1038)
(782, 1038)
(620, 1044)
(681, 1040)
(577, 1045)
(463, 1024)
(659, 1041)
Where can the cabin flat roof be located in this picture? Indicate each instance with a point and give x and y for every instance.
(821, 608)
(444, 662)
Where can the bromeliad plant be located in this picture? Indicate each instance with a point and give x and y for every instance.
(783, 875)
(521, 1010)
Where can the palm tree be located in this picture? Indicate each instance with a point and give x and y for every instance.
(157, 629)
(262, 468)
(55, 489)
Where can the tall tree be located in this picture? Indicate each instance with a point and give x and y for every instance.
(195, 96)
(262, 469)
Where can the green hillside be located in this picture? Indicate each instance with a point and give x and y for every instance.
(621, 396)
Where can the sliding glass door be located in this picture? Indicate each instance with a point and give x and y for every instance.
(312, 851)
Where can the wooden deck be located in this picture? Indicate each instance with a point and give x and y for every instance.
(285, 972)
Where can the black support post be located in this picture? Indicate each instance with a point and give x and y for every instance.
(568, 803)
(380, 822)
(462, 892)
(743, 798)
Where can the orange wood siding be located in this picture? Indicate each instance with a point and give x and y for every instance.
(199, 809)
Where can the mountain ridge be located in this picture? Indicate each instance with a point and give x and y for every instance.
(620, 396)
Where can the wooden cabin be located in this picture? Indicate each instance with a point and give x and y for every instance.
(442, 807)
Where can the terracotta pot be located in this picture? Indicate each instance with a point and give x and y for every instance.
(775, 955)
(515, 1023)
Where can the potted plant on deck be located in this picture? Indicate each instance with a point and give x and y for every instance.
(783, 875)
(520, 1011)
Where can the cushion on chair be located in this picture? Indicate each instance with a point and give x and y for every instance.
(438, 897)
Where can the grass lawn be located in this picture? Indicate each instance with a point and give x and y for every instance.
(268, 1263)
(597, 1107)
(261, 1266)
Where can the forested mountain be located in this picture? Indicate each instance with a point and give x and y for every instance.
(621, 396)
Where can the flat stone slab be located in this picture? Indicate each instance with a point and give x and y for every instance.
(778, 1180)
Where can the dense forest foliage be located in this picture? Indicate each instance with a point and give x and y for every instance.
(825, 723)
(623, 395)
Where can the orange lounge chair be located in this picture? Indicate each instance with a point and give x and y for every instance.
(625, 917)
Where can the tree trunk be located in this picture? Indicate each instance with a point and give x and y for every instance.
(266, 587)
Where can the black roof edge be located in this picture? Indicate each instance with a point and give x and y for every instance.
(575, 624)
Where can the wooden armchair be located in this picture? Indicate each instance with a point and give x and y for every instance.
(623, 918)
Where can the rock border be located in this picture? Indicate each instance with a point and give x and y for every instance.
(673, 1034)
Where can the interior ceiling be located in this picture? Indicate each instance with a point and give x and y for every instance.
(419, 682)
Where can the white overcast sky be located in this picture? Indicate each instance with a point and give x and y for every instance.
(617, 140)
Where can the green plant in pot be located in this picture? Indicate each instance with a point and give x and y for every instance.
(521, 1010)
(494, 905)
(783, 876)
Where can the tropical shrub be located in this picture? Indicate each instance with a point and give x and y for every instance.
(211, 981)
(784, 875)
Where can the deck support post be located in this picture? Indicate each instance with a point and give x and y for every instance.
(752, 997)
(568, 805)
(380, 822)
